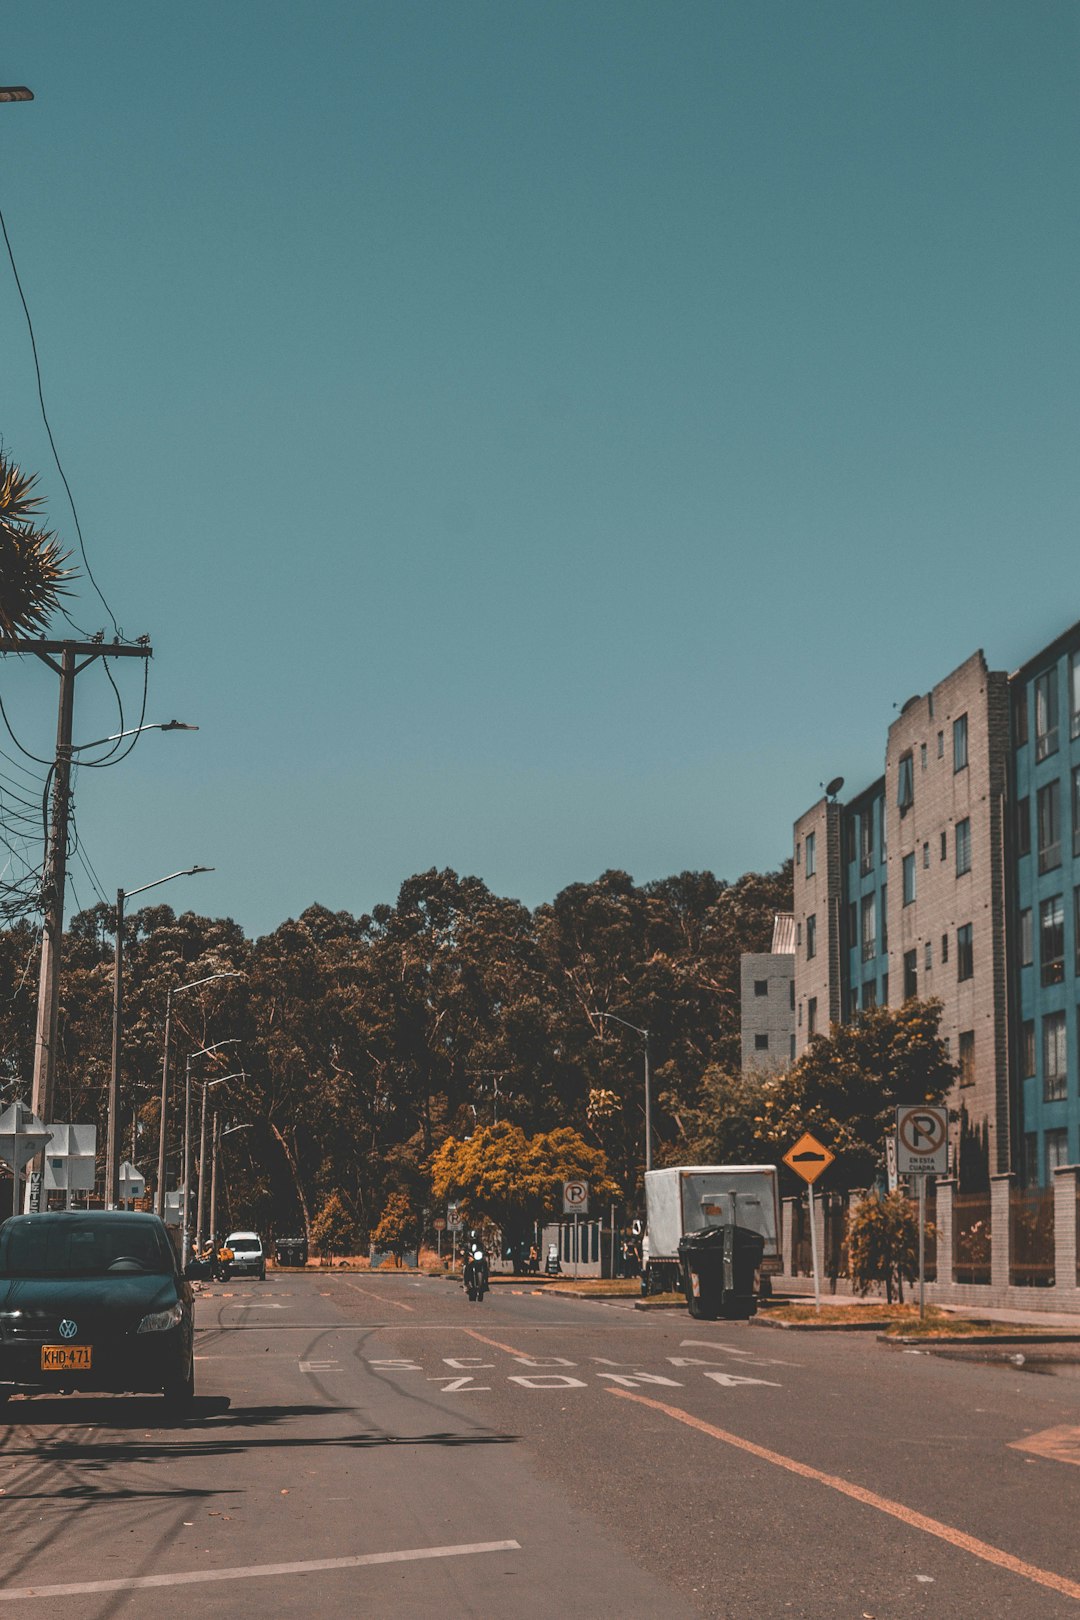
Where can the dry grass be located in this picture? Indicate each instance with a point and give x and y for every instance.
(902, 1320)
(620, 1287)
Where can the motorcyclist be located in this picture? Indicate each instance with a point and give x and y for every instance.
(475, 1272)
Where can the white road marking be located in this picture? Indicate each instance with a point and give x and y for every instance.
(640, 1378)
(548, 1381)
(544, 1361)
(730, 1350)
(246, 1572)
(454, 1386)
(467, 1363)
(394, 1366)
(319, 1366)
(729, 1380)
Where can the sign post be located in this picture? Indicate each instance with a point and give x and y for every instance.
(922, 1149)
(575, 1202)
(808, 1158)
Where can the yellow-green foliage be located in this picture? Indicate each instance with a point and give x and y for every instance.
(883, 1243)
(502, 1175)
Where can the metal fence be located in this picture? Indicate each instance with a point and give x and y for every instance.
(971, 1237)
(1031, 1237)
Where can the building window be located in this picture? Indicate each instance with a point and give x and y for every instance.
(852, 923)
(1031, 1159)
(798, 853)
(928, 956)
(761, 987)
(941, 745)
(1052, 940)
(811, 1016)
(965, 954)
(1074, 695)
(798, 933)
(883, 913)
(866, 842)
(1046, 714)
(853, 1002)
(1049, 819)
(761, 1043)
(905, 783)
(922, 756)
(869, 993)
(911, 974)
(944, 844)
(962, 839)
(1057, 1152)
(1027, 1049)
(1076, 809)
(869, 929)
(960, 743)
(1055, 1060)
(811, 854)
(791, 1052)
(909, 879)
(1076, 931)
(1023, 826)
(1020, 716)
(1026, 941)
(811, 936)
(926, 855)
(944, 947)
(883, 813)
(791, 983)
(966, 1055)
(849, 838)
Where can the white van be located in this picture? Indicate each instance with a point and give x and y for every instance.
(249, 1258)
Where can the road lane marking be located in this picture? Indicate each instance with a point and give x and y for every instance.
(454, 1386)
(319, 1366)
(548, 1381)
(1061, 1444)
(398, 1304)
(247, 1572)
(731, 1380)
(494, 1343)
(896, 1510)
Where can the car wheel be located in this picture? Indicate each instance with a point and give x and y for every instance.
(179, 1392)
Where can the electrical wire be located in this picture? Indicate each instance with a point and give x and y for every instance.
(52, 441)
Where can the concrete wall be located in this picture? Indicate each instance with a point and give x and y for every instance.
(817, 910)
(770, 1016)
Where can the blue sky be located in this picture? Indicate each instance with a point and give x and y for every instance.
(536, 438)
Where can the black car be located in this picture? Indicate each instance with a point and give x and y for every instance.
(94, 1300)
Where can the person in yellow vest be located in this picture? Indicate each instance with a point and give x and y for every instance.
(224, 1262)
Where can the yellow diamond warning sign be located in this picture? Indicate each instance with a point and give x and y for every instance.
(809, 1157)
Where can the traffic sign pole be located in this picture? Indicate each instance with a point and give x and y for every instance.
(922, 1247)
(814, 1249)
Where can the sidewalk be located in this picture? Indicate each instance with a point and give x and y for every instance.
(988, 1313)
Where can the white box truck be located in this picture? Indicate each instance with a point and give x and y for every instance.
(742, 1200)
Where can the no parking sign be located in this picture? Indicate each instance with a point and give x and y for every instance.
(922, 1140)
(575, 1197)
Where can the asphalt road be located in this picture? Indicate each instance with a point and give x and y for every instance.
(377, 1446)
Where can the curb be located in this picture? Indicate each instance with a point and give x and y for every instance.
(816, 1327)
(939, 1339)
(657, 1304)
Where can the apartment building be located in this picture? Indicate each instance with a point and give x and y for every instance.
(1044, 866)
(767, 999)
(818, 887)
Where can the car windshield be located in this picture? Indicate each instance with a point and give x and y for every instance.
(244, 1245)
(36, 1246)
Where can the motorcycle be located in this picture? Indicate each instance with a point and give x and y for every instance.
(475, 1276)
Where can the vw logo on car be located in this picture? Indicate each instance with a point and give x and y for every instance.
(68, 1328)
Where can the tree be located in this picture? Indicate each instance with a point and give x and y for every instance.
(501, 1175)
(398, 1228)
(32, 571)
(333, 1230)
(723, 1125)
(883, 1244)
(846, 1086)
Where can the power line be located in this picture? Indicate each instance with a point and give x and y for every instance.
(52, 441)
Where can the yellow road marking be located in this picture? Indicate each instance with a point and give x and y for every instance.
(1061, 1444)
(495, 1345)
(896, 1510)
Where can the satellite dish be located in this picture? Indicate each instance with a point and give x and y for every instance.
(834, 786)
(910, 703)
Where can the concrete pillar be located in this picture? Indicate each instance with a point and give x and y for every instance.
(1065, 1187)
(946, 1186)
(1000, 1187)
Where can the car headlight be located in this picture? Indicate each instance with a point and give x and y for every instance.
(162, 1321)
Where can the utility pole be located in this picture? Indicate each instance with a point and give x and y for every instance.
(74, 657)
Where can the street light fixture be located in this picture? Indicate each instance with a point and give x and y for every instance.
(175, 990)
(134, 731)
(112, 1165)
(644, 1033)
(185, 1222)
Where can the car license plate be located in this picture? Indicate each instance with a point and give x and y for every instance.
(66, 1357)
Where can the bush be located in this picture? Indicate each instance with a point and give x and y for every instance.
(883, 1244)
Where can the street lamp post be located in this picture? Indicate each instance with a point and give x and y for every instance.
(218, 1137)
(207, 1085)
(112, 1165)
(644, 1033)
(185, 1221)
(174, 990)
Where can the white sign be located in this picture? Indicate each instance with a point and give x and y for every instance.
(70, 1163)
(575, 1197)
(132, 1181)
(890, 1163)
(922, 1140)
(453, 1217)
(21, 1135)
